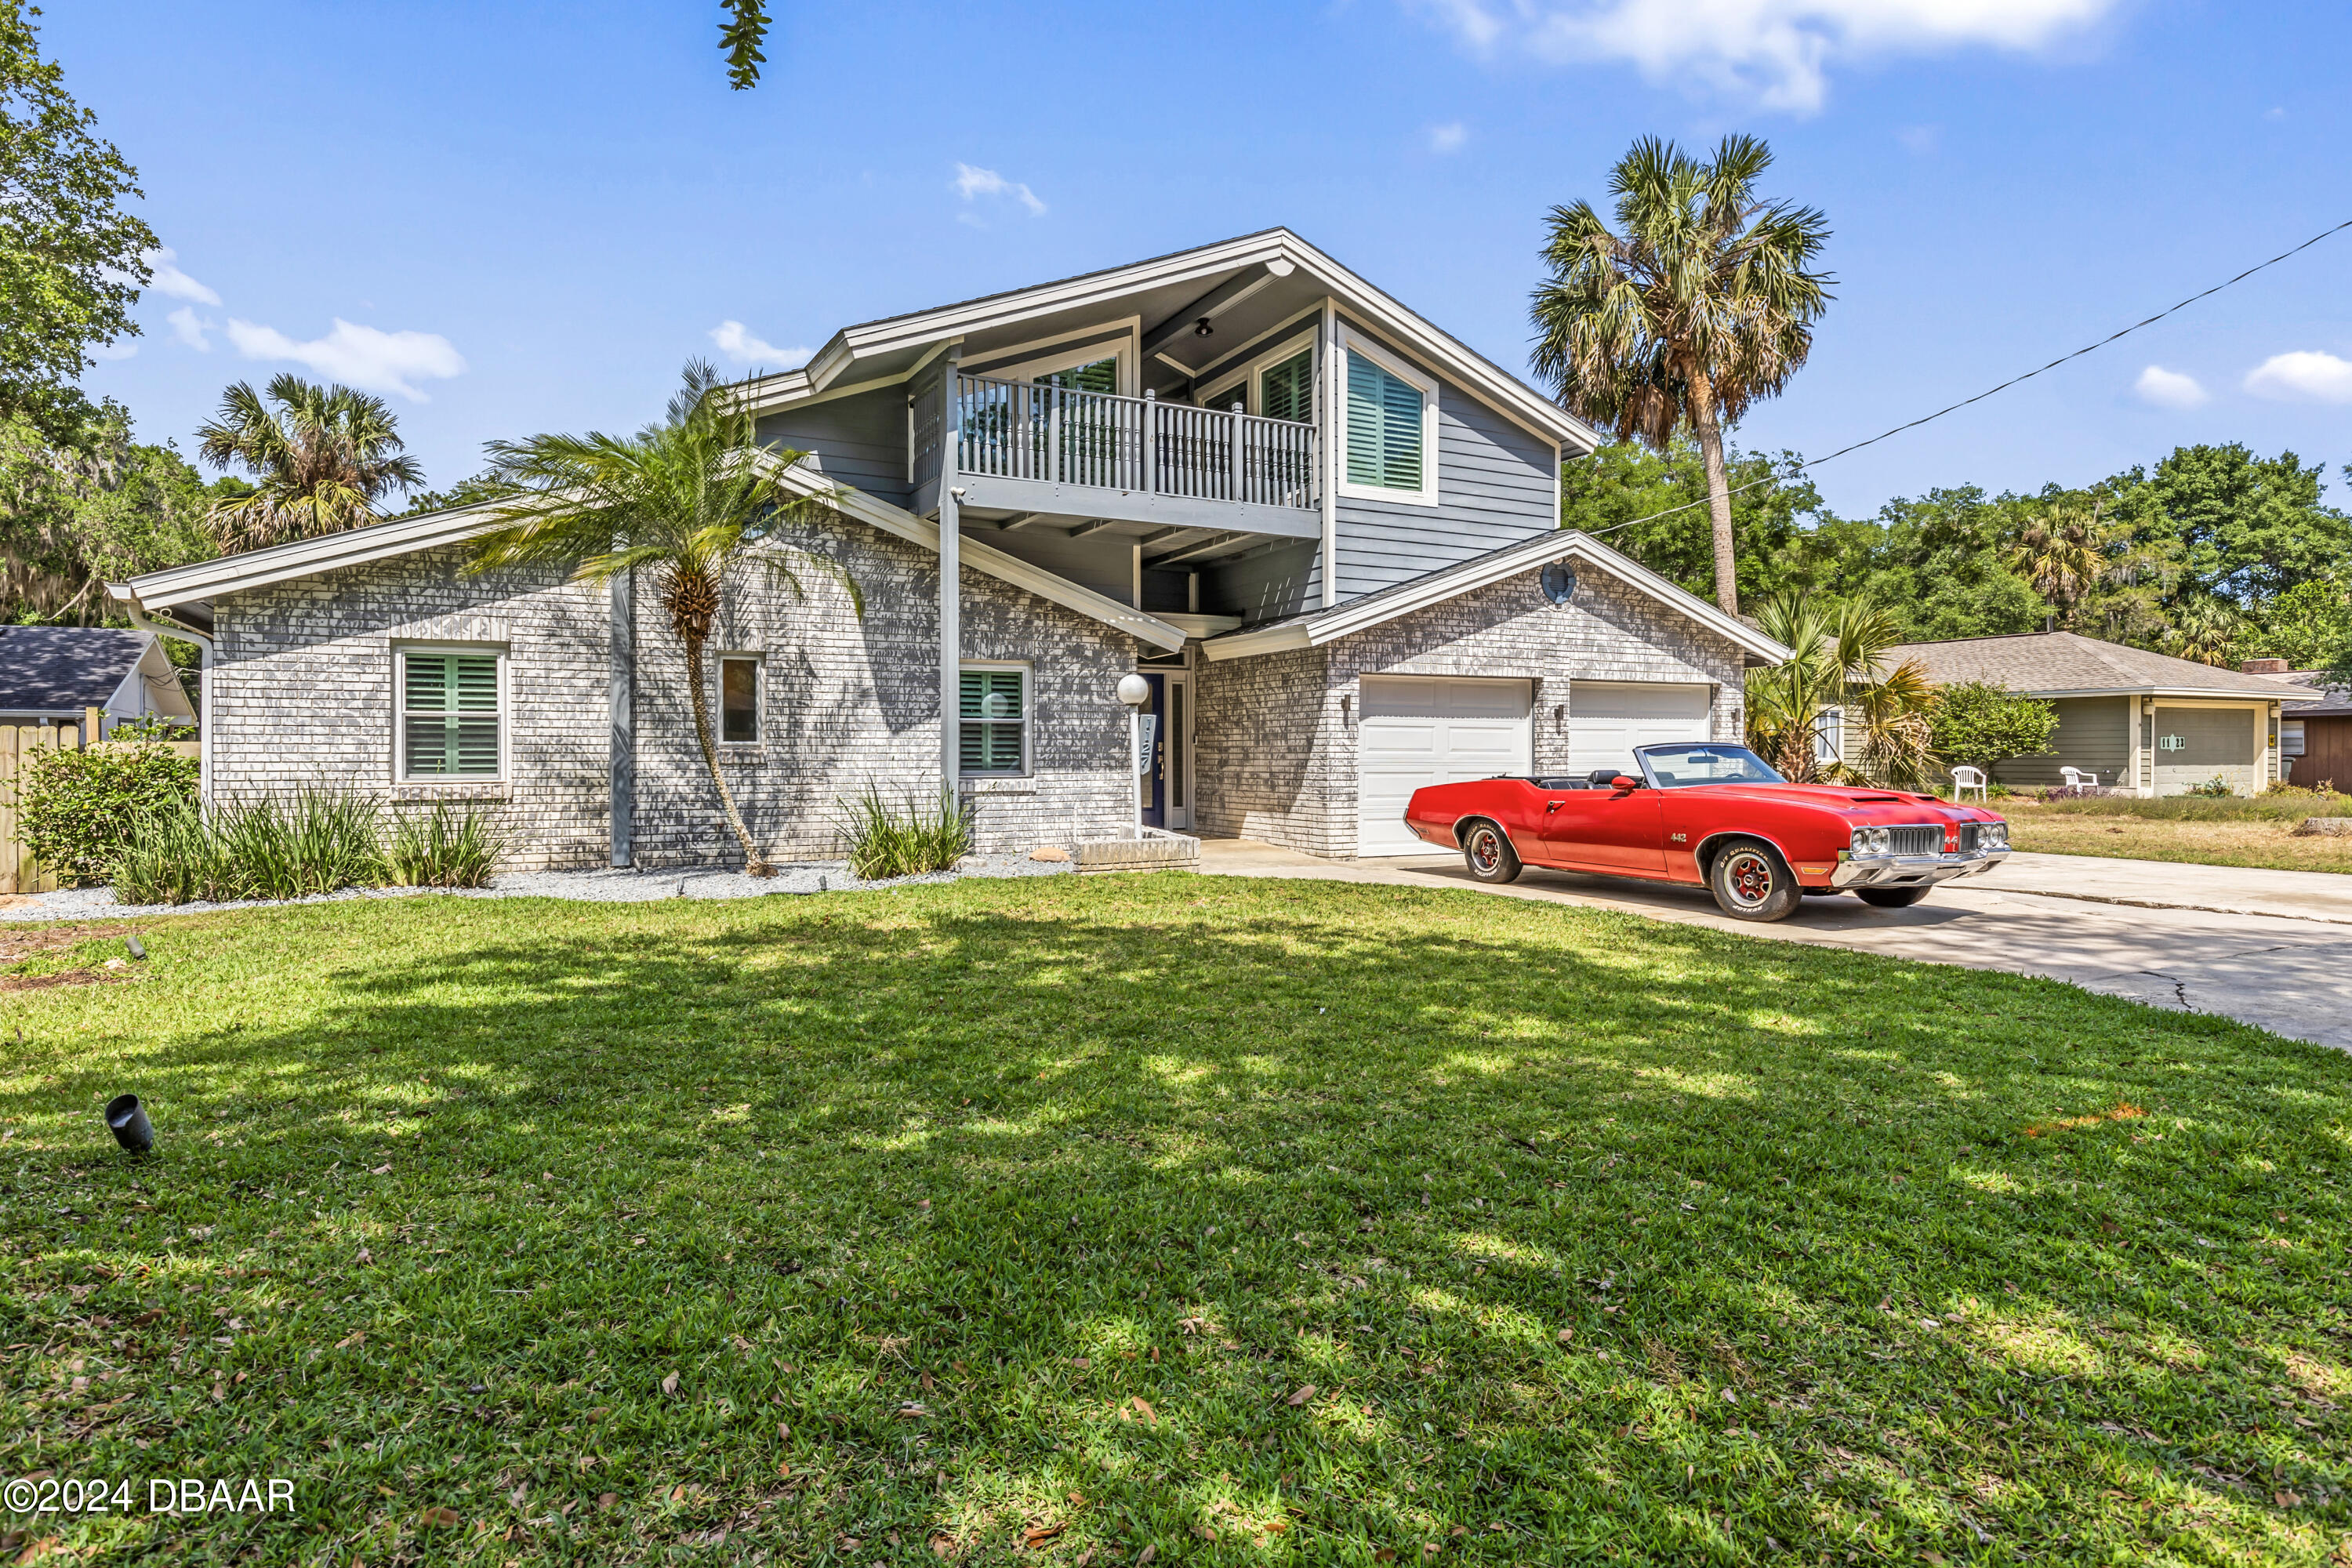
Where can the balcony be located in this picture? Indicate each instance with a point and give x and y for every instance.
(1035, 449)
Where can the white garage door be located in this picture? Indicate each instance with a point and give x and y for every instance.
(1607, 719)
(1423, 729)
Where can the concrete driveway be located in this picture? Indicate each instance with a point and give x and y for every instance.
(2268, 948)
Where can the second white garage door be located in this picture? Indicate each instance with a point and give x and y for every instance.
(1607, 719)
(1423, 729)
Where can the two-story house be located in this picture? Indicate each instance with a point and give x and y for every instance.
(1324, 532)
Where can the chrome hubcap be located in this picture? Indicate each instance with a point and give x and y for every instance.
(1485, 852)
(1749, 877)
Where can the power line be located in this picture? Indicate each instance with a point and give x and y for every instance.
(2004, 386)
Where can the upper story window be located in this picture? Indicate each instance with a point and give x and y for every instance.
(1391, 414)
(1097, 375)
(1286, 390)
(451, 713)
(993, 712)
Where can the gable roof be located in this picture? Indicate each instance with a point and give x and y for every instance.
(2066, 664)
(187, 591)
(1320, 626)
(64, 670)
(1277, 250)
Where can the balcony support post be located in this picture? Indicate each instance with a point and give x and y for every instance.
(1334, 404)
(951, 579)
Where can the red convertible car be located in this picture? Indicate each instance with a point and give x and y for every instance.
(1715, 814)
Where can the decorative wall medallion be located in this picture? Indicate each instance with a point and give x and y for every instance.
(1560, 581)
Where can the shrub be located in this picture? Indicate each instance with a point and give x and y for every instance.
(887, 840)
(76, 808)
(443, 849)
(2215, 788)
(153, 727)
(1979, 724)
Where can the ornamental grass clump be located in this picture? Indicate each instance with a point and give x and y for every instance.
(442, 848)
(316, 841)
(907, 839)
(172, 856)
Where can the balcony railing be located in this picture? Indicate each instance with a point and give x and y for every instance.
(1026, 430)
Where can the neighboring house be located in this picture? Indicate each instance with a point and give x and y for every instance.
(2142, 722)
(1325, 532)
(2315, 727)
(53, 674)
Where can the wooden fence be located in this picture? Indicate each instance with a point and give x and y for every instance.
(19, 743)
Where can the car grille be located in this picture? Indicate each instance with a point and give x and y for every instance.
(1916, 840)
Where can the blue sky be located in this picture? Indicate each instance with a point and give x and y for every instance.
(511, 217)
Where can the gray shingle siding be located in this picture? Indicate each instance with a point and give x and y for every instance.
(303, 696)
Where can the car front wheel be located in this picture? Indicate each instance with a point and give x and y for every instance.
(1751, 882)
(1891, 898)
(1486, 851)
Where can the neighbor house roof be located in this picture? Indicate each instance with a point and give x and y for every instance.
(1312, 630)
(2319, 699)
(2066, 664)
(64, 670)
(187, 591)
(1277, 250)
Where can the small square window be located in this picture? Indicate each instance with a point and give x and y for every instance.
(738, 698)
(450, 716)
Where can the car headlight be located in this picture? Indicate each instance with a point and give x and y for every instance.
(1995, 833)
(1870, 840)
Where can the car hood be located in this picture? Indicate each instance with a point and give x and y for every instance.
(1856, 804)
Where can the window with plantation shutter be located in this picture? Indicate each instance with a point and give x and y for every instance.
(449, 715)
(1384, 427)
(1287, 390)
(995, 713)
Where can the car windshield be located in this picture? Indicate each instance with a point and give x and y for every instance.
(1680, 767)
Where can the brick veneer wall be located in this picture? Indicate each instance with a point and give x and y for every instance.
(1276, 748)
(302, 695)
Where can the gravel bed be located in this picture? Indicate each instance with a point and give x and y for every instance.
(606, 886)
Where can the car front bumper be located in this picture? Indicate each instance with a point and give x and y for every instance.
(1911, 870)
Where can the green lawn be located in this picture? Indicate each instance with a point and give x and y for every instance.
(1075, 1220)
(2185, 829)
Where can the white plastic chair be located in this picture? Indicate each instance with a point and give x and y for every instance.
(1966, 779)
(2079, 778)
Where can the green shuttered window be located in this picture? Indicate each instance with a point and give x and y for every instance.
(1287, 390)
(994, 709)
(1384, 432)
(449, 715)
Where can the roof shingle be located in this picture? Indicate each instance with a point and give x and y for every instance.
(2041, 663)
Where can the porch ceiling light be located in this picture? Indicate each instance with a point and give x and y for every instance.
(1202, 329)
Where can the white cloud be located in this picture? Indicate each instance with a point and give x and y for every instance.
(2306, 376)
(357, 356)
(1449, 137)
(971, 183)
(169, 279)
(737, 343)
(189, 329)
(2168, 388)
(122, 349)
(1775, 52)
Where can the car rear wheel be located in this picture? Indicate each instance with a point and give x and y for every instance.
(1486, 851)
(1891, 898)
(1751, 882)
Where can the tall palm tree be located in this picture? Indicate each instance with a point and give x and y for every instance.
(2065, 551)
(2205, 628)
(1699, 303)
(1838, 661)
(323, 455)
(689, 499)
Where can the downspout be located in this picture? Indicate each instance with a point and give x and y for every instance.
(203, 691)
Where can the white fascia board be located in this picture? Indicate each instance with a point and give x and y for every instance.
(303, 558)
(2187, 693)
(1346, 620)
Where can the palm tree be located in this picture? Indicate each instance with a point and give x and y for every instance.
(1838, 661)
(689, 499)
(2064, 552)
(2205, 629)
(324, 456)
(1698, 304)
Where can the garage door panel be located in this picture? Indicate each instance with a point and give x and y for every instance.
(1416, 731)
(1607, 719)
